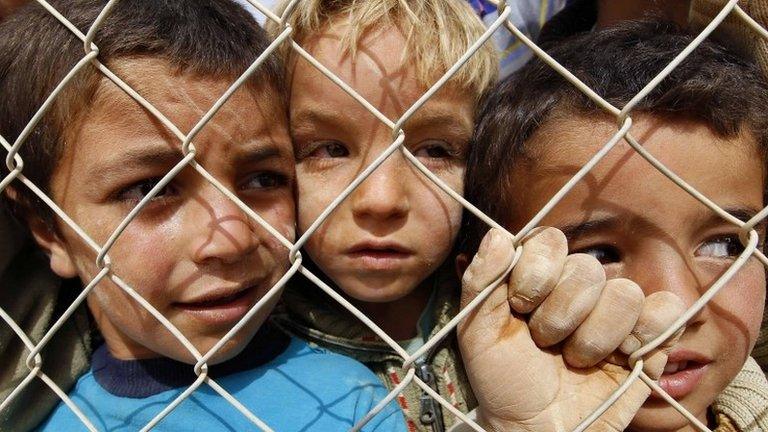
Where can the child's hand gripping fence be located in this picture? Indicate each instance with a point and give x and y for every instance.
(623, 117)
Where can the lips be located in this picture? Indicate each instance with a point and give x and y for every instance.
(683, 372)
(220, 306)
(378, 255)
(214, 299)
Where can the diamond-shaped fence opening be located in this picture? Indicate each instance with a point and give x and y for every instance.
(623, 116)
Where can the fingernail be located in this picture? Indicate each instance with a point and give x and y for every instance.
(489, 241)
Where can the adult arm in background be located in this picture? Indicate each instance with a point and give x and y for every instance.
(34, 297)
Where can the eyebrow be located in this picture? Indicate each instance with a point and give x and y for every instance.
(155, 156)
(261, 152)
(321, 116)
(439, 118)
(162, 156)
(577, 230)
(743, 214)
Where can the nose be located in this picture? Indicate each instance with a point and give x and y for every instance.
(383, 196)
(667, 269)
(220, 230)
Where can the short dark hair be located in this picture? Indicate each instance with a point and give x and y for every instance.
(712, 85)
(210, 38)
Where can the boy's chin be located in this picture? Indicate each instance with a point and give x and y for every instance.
(382, 290)
(227, 351)
(234, 345)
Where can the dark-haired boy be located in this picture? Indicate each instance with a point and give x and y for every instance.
(706, 122)
(191, 253)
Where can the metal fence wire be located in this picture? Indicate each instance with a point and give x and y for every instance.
(623, 117)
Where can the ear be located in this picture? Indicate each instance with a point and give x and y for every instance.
(462, 262)
(61, 260)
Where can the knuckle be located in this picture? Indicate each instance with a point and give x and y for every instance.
(627, 289)
(583, 268)
(533, 281)
(666, 300)
(549, 327)
(548, 238)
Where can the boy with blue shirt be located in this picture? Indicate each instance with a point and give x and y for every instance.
(191, 252)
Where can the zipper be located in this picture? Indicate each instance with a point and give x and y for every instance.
(430, 413)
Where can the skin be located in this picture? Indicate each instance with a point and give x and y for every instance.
(664, 240)
(335, 139)
(190, 241)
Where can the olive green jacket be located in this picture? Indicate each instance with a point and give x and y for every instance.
(34, 298)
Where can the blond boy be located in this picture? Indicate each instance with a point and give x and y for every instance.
(385, 245)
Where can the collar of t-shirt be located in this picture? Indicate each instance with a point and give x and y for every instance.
(148, 377)
(424, 327)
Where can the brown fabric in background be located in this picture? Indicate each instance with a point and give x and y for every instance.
(734, 31)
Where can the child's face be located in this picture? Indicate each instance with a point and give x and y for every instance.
(191, 252)
(397, 227)
(642, 226)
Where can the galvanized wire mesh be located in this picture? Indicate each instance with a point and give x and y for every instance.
(623, 117)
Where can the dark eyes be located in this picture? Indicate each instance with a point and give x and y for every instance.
(137, 191)
(606, 254)
(434, 149)
(265, 180)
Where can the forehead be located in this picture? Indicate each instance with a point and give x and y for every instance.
(184, 99)
(730, 171)
(377, 72)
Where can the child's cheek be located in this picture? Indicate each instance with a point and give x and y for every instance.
(313, 198)
(282, 219)
(743, 299)
(144, 253)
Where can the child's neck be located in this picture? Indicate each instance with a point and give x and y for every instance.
(399, 318)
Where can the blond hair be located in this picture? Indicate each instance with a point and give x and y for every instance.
(437, 33)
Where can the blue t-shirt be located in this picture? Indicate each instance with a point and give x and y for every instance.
(303, 388)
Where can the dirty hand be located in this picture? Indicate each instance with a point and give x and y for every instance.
(550, 343)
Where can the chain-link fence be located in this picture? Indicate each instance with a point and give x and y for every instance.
(623, 116)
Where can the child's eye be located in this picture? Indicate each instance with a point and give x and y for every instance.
(434, 149)
(606, 254)
(265, 180)
(727, 246)
(325, 149)
(137, 191)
